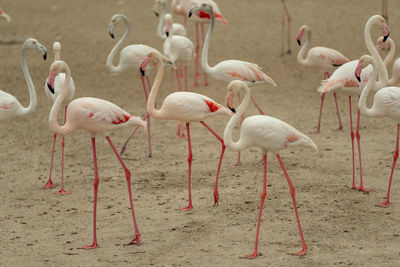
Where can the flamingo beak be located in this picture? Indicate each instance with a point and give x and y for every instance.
(50, 81)
(385, 32)
(143, 65)
(357, 72)
(299, 36)
(229, 101)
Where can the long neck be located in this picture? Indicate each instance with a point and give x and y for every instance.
(31, 88)
(300, 55)
(58, 129)
(390, 55)
(383, 75)
(160, 32)
(155, 113)
(362, 103)
(395, 73)
(239, 145)
(110, 57)
(204, 55)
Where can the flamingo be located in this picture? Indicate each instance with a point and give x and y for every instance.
(324, 58)
(386, 104)
(271, 135)
(10, 107)
(200, 18)
(4, 15)
(95, 116)
(178, 9)
(177, 29)
(344, 81)
(188, 107)
(229, 70)
(285, 16)
(395, 79)
(130, 58)
(51, 93)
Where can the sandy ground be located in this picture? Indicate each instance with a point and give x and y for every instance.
(341, 226)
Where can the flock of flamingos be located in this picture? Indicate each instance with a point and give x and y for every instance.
(352, 78)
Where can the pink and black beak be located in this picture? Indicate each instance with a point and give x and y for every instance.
(299, 36)
(358, 71)
(229, 101)
(143, 65)
(385, 32)
(50, 81)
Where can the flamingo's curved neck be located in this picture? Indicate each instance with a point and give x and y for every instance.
(160, 32)
(110, 58)
(239, 145)
(395, 74)
(31, 88)
(155, 113)
(204, 55)
(390, 55)
(362, 103)
(58, 129)
(300, 55)
(383, 75)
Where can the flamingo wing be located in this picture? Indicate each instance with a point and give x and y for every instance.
(324, 55)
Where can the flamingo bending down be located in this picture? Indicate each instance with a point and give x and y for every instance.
(51, 92)
(177, 29)
(130, 58)
(229, 70)
(271, 135)
(386, 104)
(323, 58)
(285, 16)
(395, 79)
(201, 18)
(344, 81)
(95, 116)
(187, 107)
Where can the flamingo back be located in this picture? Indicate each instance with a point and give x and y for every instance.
(387, 103)
(325, 58)
(8, 105)
(132, 55)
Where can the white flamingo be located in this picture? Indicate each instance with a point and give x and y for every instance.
(177, 29)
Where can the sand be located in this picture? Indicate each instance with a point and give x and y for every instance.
(341, 226)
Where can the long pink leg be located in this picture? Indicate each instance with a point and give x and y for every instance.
(257, 106)
(148, 120)
(128, 181)
(196, 59)
(292, 193)
(216, 195)
(241, 121)
(186, 84)
(395, 156)
(202, 43)
(179, 129)
(190, 157)
(358, 136)
(326, 76)
(338, 113)
(131, 135)
(95, 186)
(62, 191)
(49, 183)
(263, 195)
(353, 186)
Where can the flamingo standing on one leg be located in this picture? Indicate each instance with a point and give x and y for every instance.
(51, 93)
(177, 29)
(324, 58)
(130, 58)
(285, 16)
(10, 107)
(271, 135)
(188, 107)
(344, 81)
(95, 116)
(229, 70)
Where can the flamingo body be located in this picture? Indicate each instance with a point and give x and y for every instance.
(325, 58)
(179, 49)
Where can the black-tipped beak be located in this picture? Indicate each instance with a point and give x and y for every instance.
(358, 78)
(45, 55)
(385, 38)
(167, 34)
(111, 34)
(232, 109)
(141, 71)
(156, 13)
(50, 88)
(190, 13)
(299, 42)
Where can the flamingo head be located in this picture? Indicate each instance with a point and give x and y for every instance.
(55, 69)
(157, 4)
(114, 21)
(232, 87)
(168, 23)
(301, 32)
(56, 50)
(4, 15)
(33, 43)
(203, 7)
(379, 20)
(154, 58)
(362, 63)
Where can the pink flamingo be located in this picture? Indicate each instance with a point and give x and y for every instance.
(344, 81)
(229, 70)
(178, 9)
(51, 92)
(10, 107)
(271, 135)
(323, 58)
(130, 58)
(386, 104)
(395, 79)
(95, 116)
(177, 29)
(200, 18)
(4, 15)
(285, 16)
(187, 107)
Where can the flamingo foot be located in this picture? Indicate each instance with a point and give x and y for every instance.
(181, 136)
(315, 132)
(137, 240)
(339, 129)
(216, 198)
(237, 164)
(383, 204)
(189, 207)
(49, 184)
(302, 252)
(360, 188)
(62, 192)
(251, 256)
(92, 246)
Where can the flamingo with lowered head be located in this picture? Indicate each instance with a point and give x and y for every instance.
(323, 58)
(187, 107)
(386, 104)
(271, 135)
(51, 93)
(344, 81)
(95, 116)
(129, 59)
(177, 29)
